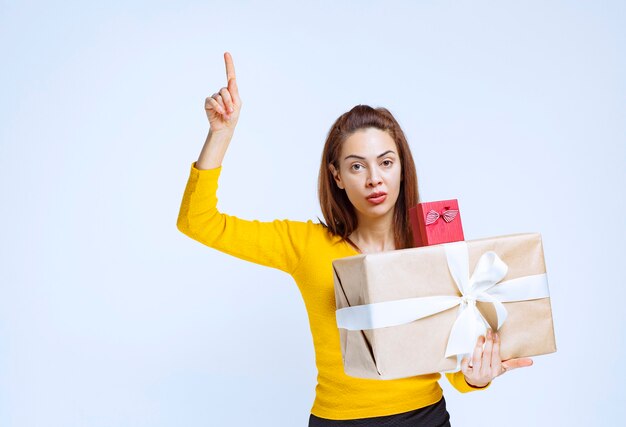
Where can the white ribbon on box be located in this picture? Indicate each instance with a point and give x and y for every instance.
(469, 323)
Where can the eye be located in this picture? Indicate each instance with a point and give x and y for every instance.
(387, 162)
(354, 166)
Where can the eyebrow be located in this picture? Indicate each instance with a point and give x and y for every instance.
(363, 158)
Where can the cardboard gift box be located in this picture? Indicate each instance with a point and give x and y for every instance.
(436, 222)
(420, 310)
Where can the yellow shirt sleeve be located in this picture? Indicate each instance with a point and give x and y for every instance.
(278, 244)
(457, 379)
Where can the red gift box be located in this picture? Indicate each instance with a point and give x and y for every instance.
(436, 222)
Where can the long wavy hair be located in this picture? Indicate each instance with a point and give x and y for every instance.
(338, 211)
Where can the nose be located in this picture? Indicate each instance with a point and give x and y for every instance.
(374, 178)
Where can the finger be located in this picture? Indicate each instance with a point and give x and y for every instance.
(211, 104)
(496, 362)
(220, 101)
(234, 90)
(230, 66)
(478, 352)
(465, 368)
(230, 75)
(228, 101)
(517, 363)
(485, 364)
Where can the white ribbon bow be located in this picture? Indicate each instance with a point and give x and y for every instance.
(470, 323)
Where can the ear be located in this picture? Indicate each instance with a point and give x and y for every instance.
(336, 175)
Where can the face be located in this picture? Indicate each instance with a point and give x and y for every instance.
(369, 172)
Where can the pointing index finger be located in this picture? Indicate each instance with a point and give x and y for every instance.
(230, 67)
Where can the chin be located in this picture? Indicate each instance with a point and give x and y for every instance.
(376, 211)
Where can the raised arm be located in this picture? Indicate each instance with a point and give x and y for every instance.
(222, 110)
(278, 243)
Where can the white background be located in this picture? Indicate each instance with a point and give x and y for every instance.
(109, 316)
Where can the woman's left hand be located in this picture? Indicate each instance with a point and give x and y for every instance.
(486, 364)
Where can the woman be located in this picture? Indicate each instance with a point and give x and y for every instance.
(367, 182)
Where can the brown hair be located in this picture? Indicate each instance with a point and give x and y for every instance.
(337, 209)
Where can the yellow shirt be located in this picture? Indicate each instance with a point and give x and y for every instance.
(306, 250)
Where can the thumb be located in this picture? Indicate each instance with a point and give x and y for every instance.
(516, 363)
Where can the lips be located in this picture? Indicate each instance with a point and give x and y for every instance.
(377, 198)
(376, 195)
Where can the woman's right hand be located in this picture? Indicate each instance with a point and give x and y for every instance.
(222, 108)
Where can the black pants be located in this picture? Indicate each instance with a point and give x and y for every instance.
(434, 415)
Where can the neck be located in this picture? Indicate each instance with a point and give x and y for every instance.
(374, 234)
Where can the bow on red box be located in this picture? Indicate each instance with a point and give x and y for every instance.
(428, 230)
(448, 215)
